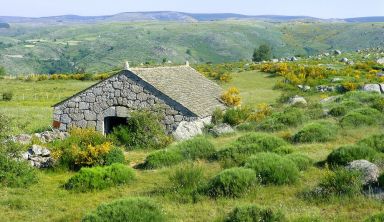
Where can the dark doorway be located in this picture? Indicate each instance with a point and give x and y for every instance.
(113, 121)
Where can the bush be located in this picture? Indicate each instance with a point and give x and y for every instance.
(315, 132)
(237, 154)
(196, 148)
(233, 182)
(271, 168)
(15, 173)
(128, 210)
(349, 153)
(235, 116)
(375, 218)
(7, 96)
(362, 117)
(338, 183)
(187, 177)
(265, 141)
(115, 155)
(217, 116)
(253, 213)
(98, 178)
(290, 117)
(302, 162)
(143, 130)
(339, 110)
(85, 148)
(231, 97)
(163, 158)
(376, 142)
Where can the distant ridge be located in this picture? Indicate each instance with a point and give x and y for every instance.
(174, 16)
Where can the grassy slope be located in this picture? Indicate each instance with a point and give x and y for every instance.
(101, 46)
(46, 201)
(31, 104)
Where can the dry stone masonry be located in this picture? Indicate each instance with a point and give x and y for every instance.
(170, 91)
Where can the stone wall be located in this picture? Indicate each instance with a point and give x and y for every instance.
(118, 96)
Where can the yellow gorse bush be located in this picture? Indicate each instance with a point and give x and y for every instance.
(231, 97)
(262, 111)
(92, 155)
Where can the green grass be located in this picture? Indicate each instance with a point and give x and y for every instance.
(31, 104)
(255, 87)
(48, 201)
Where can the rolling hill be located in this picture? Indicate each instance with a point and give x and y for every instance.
(65, 44)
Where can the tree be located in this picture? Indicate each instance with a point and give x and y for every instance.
(2, 71)
(262, 53)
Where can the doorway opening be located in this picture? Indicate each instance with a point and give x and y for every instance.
(111, 122)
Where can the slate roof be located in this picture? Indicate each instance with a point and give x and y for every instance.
(184, 85)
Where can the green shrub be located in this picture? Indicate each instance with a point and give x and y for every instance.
(98, 178)
(196, 148)
(163, 158)
(315, 132)
(115, 155)
(349, 153)
(376, 142)
(217, 116)
(237, 154)
(15, 173)
(266, 141)
(127, 210)
(84, 147)
(338, 183)
(307, 219)
(362, 117)
(378, 104)
(233, 182)
(187, 177)
(7, 96)
(271, 168)
(254, 213)
(235, 116)
(290, 117)
(375, 218)
(339, 110)
(302, 162)
(143, 131)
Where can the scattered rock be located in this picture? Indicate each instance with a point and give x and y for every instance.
(322, 88)
(380, 61)
(345, 60)
(351, 63)
(187, 130)
(274, 60)
(337, 79)
(221, 129)
(296, 100)
(380, 74)
(370, 171)
(337, 52)
(22, 139)
(292, 59)
(372, 88)
(304, 87)
(38, 156)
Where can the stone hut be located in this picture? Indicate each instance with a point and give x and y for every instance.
(184, 97)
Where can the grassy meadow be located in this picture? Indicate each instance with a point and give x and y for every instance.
(48, 201)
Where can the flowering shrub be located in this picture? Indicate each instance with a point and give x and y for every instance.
(231, 97)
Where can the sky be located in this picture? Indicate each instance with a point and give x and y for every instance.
(315, 8)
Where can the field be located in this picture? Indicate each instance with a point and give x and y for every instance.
(48, 201)
(28, 49)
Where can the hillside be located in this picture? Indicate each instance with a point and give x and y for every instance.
(27, 48)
